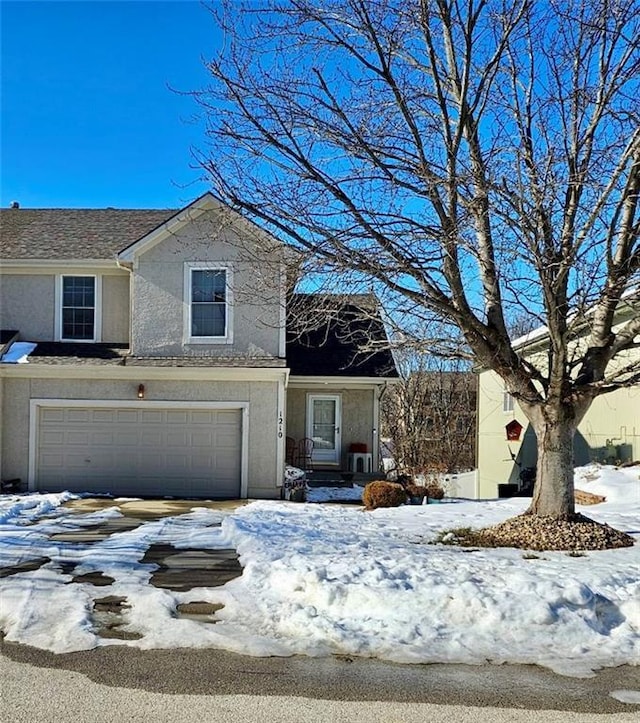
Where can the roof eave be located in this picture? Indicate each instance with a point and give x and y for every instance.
(47, 263)
(329, 380)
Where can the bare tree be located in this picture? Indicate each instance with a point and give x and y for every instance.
(471, 160)
(430, 414)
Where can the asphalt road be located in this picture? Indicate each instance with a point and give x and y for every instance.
(117, 683)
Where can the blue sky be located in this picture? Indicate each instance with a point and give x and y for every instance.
(87, 117)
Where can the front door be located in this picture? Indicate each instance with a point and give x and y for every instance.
(323, 427)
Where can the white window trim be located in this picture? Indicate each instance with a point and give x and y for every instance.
(97, 315)
(190, 266)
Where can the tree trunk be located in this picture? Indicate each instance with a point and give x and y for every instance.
(553, 492)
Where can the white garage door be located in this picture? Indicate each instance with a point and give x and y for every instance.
(128, 451)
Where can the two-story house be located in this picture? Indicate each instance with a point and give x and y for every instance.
(162, 364)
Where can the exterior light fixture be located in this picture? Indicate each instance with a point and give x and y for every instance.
(140, 391)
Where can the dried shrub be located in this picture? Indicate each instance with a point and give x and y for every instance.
(434, 491)
(383, 494)
(587, 498)
(414, 490)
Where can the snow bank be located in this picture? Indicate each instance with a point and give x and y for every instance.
(330, 579)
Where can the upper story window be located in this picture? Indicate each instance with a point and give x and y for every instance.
(208, 304)
(507, 402)
(78, 308)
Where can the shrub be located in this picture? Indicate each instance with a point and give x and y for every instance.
(434, 491)
(383, 494)
(414, 490)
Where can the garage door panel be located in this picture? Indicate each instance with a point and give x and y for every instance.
(125, 463)
(103, 415)
(79, 415)
(225, 438)
(177, 416)
(201, 417)
(125, 438)
(152, 417)
(52, 460)
(177, 464)
(202, 438)
(75, 459)
(178, 438)
(151, 438)
(77, 438)
(126, 416)
(52, 437)
(226, 417)
(178, 452)
(52, 415)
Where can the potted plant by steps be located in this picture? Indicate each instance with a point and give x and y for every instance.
(434, 492)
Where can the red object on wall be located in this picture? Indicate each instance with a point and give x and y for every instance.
(357, 448)
(514, 430)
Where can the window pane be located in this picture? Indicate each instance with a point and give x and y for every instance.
(78, 307)
(208, 286)
(78, 291)
(324, 423)
(208, 320)
(77, 323)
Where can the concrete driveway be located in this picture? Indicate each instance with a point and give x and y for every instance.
(177, 569)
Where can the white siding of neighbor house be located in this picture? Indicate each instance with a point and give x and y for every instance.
(264, 472)
(158, 314)
(610, 431)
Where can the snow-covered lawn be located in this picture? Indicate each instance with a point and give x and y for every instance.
(324, 579)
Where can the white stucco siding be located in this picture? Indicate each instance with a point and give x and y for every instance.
(27, 303)
(611, 427)
(494, 454)
(263, 471)
(159, 295)
(14, 460)
(115, 308)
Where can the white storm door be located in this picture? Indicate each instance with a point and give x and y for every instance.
(323, 427)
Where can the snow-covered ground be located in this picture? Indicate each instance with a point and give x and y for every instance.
(324, 579)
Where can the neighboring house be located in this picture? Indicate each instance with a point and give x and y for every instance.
(162, 365)
(507, 450)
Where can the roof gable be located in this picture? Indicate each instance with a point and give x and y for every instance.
(169, 226)
(206, 202)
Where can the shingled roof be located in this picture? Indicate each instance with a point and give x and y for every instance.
(341, 336)
(74, 233)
